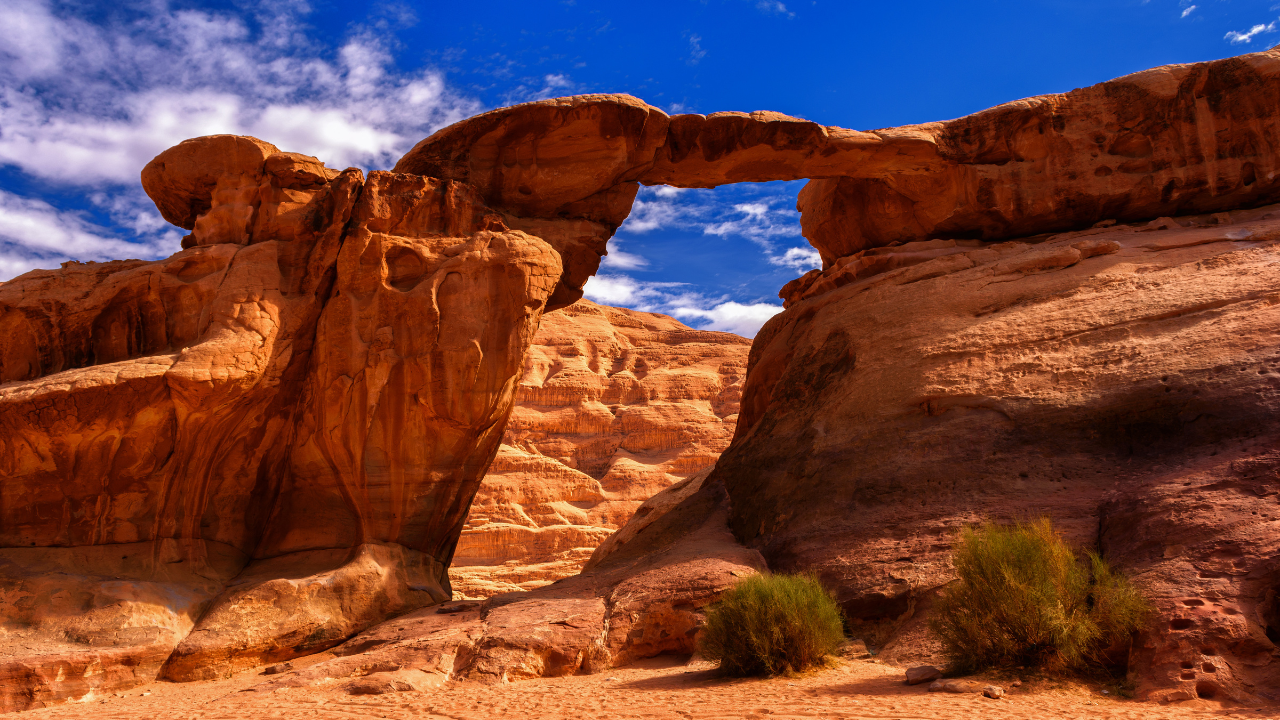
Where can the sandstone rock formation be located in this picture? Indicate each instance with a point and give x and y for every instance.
(1173, 140)
(279, 430)
(636, 599)
(1120, 380)
(614, 406)
(305, 399)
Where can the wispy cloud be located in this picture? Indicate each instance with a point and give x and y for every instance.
(1189, 10)
(1238, 38)
(84, 105)
(557, 85)
(773, 7)
(800, 259)
(696, 52)
(744, 320)
(618, 259)
(675, 299)
(765, 222)
(35, 234)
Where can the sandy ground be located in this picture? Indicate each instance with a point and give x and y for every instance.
(659, 688)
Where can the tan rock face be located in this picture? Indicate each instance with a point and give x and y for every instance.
(1120, 381)
(305, 402)
(614, 406)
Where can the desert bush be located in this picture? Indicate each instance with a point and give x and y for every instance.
(1023, 598)
(772, 624)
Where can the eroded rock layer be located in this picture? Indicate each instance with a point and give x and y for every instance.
(614, 406)
(1123, 381)
(304, 400)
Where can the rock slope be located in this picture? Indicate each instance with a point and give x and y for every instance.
(614, 406)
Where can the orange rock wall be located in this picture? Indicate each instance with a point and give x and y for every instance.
(1121, 381)
(295, 411)
(614, 406)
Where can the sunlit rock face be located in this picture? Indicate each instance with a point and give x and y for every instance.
(614, 406)
(303, 400)
(270, 441)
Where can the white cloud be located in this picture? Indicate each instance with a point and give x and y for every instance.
(745, 320)
(86, 104)
(649, 215)
(802, 259)
(1238, 38)
(552, 86)
(1189, 10)
(618, 259)
(624, 290)
(34, 234)
(760, 221)
(696, 52)
(707, 313)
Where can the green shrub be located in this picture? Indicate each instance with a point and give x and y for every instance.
(773, 624)
(1022, 598)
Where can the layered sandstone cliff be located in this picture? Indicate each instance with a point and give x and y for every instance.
(614, 406)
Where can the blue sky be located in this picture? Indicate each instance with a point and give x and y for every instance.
(89, 92)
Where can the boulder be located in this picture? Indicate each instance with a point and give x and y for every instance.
(922, 674)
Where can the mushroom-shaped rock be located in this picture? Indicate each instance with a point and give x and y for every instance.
(183, 179)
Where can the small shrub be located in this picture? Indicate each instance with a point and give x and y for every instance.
(1022, 598)
(772, 624)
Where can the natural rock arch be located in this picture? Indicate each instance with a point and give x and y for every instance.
(296, 409)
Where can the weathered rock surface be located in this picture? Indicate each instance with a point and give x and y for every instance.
(281, 428)
(1120, 380)
(305, 402)
(634, 600)
(922, 674)
(614, 406)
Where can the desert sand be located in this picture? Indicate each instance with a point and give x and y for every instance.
(662, 687)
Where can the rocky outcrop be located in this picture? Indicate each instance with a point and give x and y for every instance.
(305, 399)
(635, 599)
(1120, 380)
(280, 429)
(614, 406)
